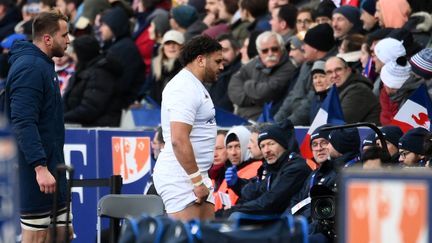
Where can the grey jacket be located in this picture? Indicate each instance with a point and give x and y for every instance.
(255, 84)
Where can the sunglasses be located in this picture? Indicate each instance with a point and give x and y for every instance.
(272, 49)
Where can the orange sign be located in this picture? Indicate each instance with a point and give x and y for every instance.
(387, 211)
(131, 157)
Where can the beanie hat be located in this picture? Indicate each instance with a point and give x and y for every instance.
(369, 140)
(421, 63)
(317, 133)
(325, 8)
(413, 140)
(368, 6)
(86, 48)
(318, 67)
(391, 134)
(320, 37)
(345, 140)
(283, 134)
(394, 75)
(184, 15)
(352, 14)
(295, 43)
(389, 49)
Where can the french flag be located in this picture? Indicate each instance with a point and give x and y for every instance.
(415, 112)
(329, 113)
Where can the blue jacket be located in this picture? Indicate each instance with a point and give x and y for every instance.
(36, 115)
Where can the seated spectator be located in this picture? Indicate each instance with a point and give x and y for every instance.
(264, 79)
(166, 64)
(367, 8)
(283, 21)
(398, 85)
(345, 20)
(256, 12)
(411, 150)
(350, 51)
(321, 84)
(229, 12)
(392, 13)
(220, 159)
(373, 158)
(242, 167)
(231, 61)
(286, 173)
(391, 134)
(296, 52)
(91, 98)
(323, 175)
(421, 66)
(358, 102)
(324, 11)
(304, 19)
(368, 141)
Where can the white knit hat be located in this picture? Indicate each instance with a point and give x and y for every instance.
(394, 75)
(389, 49)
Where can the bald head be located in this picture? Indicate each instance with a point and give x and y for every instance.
(337, 70)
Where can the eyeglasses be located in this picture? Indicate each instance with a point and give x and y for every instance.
(318, 145)
(273, 49)
(403, 154)
(337, 70)
(304, 21)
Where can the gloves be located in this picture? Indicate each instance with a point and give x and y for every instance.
(231, 176)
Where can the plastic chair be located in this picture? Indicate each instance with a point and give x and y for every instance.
(125, 205)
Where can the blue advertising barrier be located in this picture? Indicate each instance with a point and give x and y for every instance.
(100, 153)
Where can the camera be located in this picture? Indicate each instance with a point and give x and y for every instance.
(323, 210)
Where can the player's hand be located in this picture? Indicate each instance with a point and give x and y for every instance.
(46, 181)
(201, 192)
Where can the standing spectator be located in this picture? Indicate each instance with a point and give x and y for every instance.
(119, 45)
(36, 115)
(166, 64)
(184, 18)
(189, 129)
(264, 79)
(91, 98)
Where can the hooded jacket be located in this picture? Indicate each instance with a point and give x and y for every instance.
(36, 116)
(123, 48)
(243, 135)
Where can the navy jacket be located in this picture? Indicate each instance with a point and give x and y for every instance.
(36, 115)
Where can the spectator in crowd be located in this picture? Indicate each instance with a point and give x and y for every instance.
(255, 12)
(321, 84)
(367, 8)
(296, 52)
(318, 45)
(324, 11)
(358, 102)
(70, 9)
(9, 17)
(283, 21)
(264, 79)
(157, 145)
(242, 167)
(419, 24)
(411, 150)
(6, 45)
(391, 134)
(229, 12)
(220, 160)
(350, 50)
(118, 44)
(253, 146)
(87, 20)
(373, 158)
(91, 99)
(421, 66)
(184, 18)
(386, 50)
(231, 61)
(65, 68)
(286, 173)
(272, 4)
(304, 19)
(166, 64)
(344, 147)
(243, 52)
(398, 85)
(345, 20)
(324, 175)
(369, 141)
(392, 13)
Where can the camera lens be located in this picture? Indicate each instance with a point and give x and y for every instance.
(324, 208)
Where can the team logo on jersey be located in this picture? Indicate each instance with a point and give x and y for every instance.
(131, 157)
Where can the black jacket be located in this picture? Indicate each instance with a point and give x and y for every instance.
(91, 98)
(273, 194)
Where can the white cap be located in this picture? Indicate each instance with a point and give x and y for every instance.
(389, 49)
(393, 75)
(173, 35)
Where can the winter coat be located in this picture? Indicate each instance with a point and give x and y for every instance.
(273, 194)
(36, 116)
(166, 73)
(255, 84)
(91, 98)
(358, 102)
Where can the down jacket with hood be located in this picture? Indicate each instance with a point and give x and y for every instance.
(36, 115)
(123, 48)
